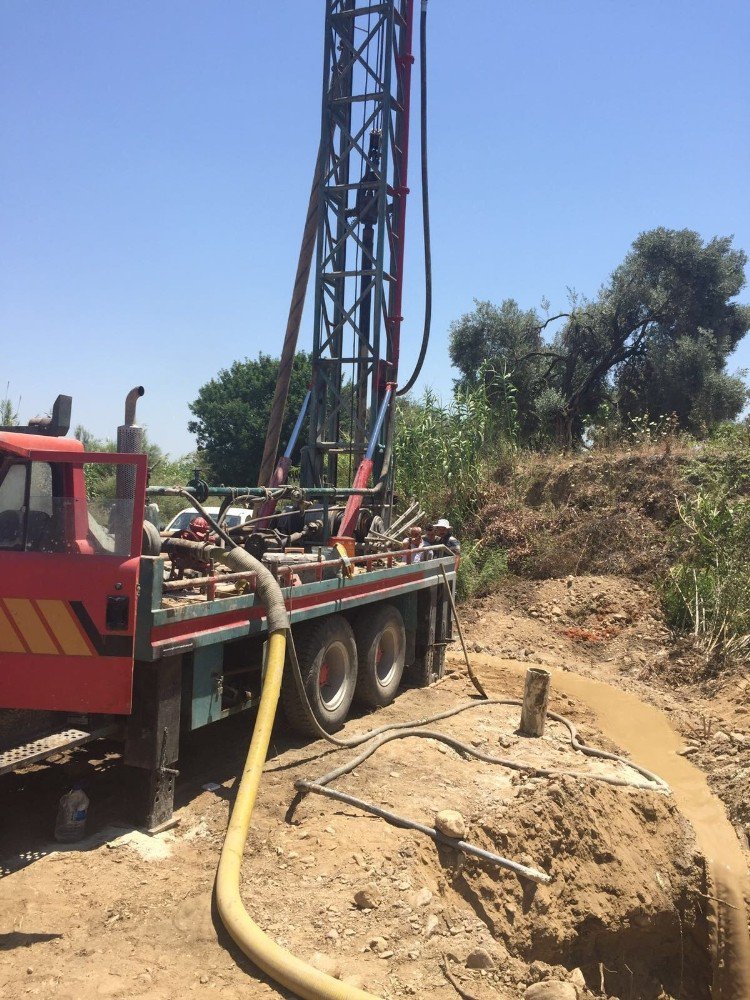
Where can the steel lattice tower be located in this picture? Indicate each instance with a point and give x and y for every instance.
(360, 243)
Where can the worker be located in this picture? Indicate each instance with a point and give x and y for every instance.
(442, 532)
(416, 545)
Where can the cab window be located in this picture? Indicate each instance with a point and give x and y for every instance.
(13, 507)
(39, 514)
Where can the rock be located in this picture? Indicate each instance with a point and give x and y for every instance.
(423, 897)
(431, 925)
(324, 963)
(479, 959)
(577, 979)
(450, 823)
(378, 945)
(333, 934)
(365, 899)
(552, 989)
(739, 738)
(721, 737)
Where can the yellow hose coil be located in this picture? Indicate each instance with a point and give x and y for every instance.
(278, 963)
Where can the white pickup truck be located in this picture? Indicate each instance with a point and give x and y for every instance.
(233, 517)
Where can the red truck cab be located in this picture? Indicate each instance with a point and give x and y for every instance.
(68, 575)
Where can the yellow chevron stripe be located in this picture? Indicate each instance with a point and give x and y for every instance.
(9, 641)
(58, 616)
(30, 625)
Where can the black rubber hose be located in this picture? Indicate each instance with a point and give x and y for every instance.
(653, 782)
(400, 730)
(425, 206)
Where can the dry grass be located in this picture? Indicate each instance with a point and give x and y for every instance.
(600, 513)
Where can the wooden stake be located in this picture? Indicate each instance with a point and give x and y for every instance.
(535, 698)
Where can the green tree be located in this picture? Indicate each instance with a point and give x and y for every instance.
(687, 378)
(492, 339)
(655, 339)
(670, 298)
(231, 415)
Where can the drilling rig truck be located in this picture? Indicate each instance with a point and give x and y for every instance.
(110, 629)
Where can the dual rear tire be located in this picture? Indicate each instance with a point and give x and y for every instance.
(340, 665)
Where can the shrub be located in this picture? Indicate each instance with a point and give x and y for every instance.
(480, 571)
(707, 591)
(444, 452)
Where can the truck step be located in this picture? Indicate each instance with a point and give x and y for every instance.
(44, 746)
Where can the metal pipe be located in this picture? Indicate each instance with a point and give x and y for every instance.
(362, 477)
(313, 492)
(281, 472)
(130, 402)
(402, 517)
(200, 581)
(532, 874)
(131, 440)
(375, 435)
(410, 523)
(298, 426)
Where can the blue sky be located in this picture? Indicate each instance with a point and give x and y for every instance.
(156, 155)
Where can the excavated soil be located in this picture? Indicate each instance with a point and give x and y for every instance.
(131, 916)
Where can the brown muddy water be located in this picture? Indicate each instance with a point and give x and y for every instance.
(647, 735)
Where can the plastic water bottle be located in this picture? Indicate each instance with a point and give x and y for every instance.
(72, 812)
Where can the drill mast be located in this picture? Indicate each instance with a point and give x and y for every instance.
(360, 244)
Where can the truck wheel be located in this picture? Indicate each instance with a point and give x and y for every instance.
(381, 650)
(327, 656)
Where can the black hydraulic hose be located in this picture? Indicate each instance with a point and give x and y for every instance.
(653, 782)
(425, 204)
(400, 730)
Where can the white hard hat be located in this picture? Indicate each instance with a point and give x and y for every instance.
(443, 523)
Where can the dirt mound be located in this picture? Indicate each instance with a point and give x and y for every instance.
(602, 513)
(624, 889)
(363, 899)
(578, 618)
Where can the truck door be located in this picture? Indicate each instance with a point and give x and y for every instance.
(69, 558)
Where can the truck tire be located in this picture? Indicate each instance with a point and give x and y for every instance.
(327, 655)
(381, 652)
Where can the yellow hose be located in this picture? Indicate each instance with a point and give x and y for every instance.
(278, 963)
